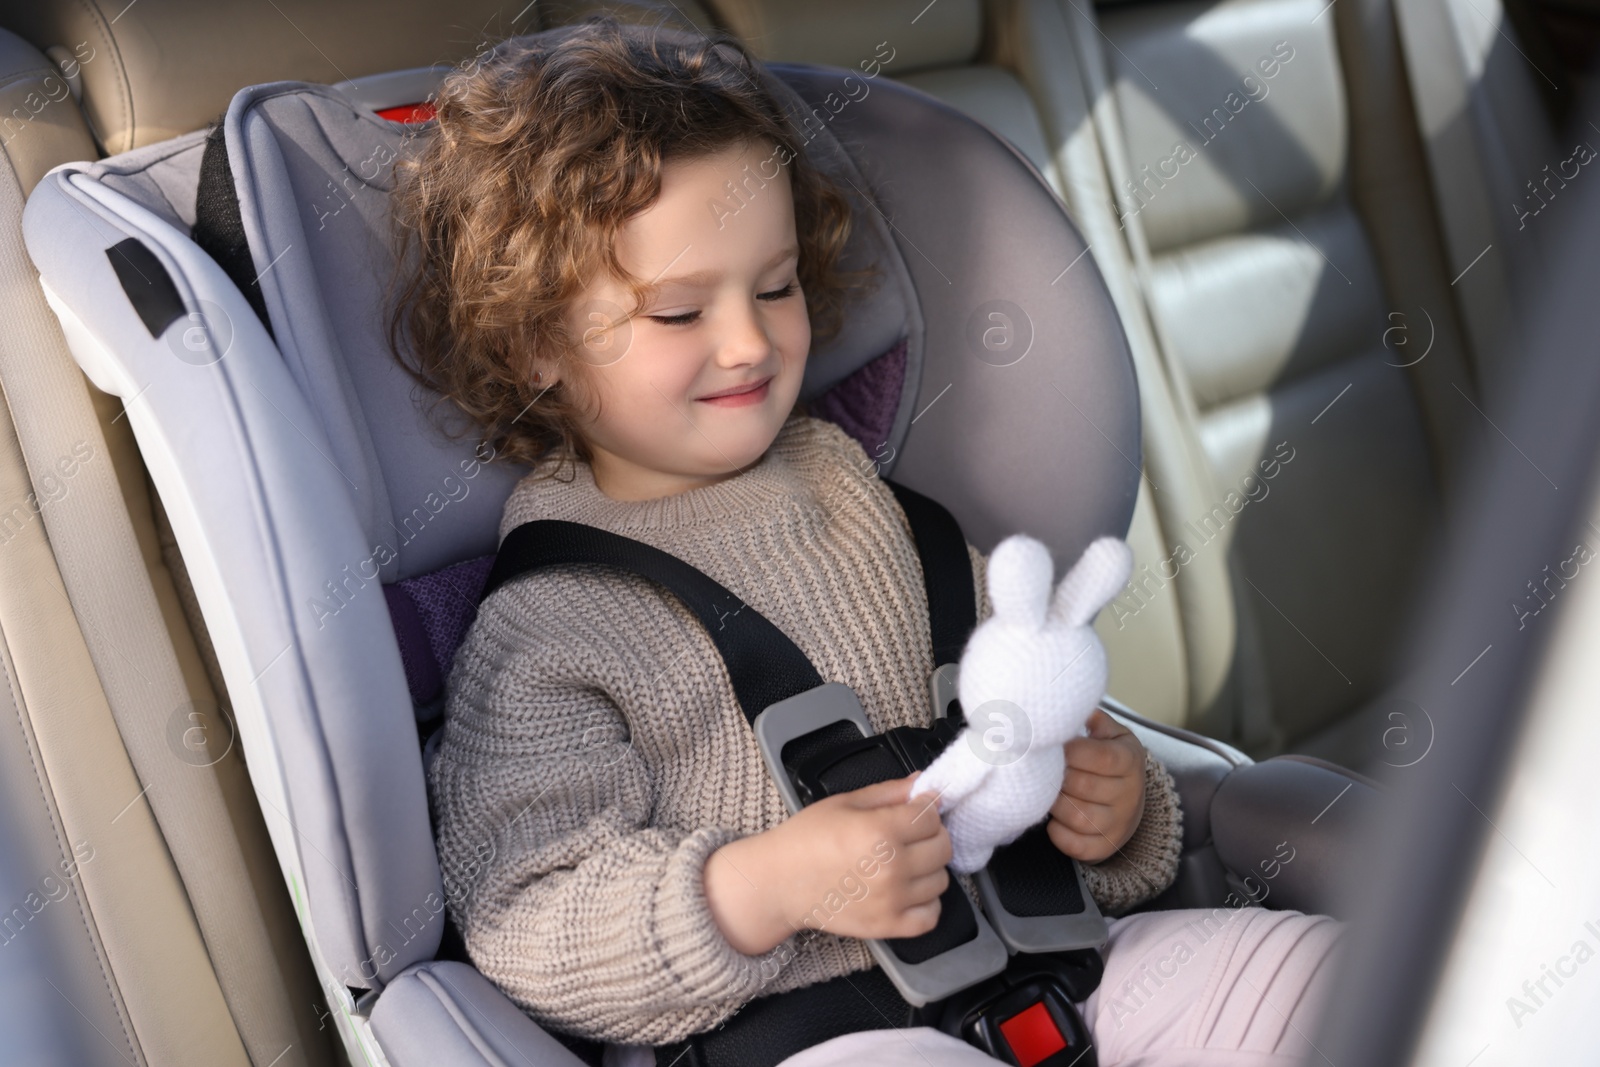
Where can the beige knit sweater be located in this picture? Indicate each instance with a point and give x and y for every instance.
(594, 754)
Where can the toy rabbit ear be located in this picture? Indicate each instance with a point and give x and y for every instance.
(1020, 572)
(1100, 572)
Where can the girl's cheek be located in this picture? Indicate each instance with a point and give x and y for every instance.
(802, 328)
(663, 366)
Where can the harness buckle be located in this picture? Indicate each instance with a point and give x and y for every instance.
(822, 737)
(1026, 1016)
(1036, 898)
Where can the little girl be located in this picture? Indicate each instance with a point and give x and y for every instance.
(614, 853)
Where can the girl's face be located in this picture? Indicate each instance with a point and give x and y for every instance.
(729, 315)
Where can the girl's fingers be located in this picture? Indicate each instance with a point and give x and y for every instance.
(1085, 818)
(926, 887)
(879, 794)
(926, 856)
(1099, 756)
(1104, 726)
(923, 916)
(918, 819)
(1090, 848)
(1088, 788)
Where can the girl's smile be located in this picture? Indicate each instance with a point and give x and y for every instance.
(740, 395)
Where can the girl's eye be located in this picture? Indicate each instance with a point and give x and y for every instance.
(675, 320)
(689, 316)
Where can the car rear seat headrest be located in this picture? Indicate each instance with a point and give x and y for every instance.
(150, 72)
(36, 100)
(891, 38)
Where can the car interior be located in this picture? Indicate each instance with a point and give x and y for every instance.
(1262, 272)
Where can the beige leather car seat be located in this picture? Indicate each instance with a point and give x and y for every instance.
(158, 916)
(1280, 278)
(1497, 171)
(1272, 270)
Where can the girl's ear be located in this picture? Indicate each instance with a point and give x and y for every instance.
(543, 373)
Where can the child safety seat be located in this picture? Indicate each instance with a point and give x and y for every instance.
(230, 288)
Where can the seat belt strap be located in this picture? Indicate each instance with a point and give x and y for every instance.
(764, 665)
(946, 572)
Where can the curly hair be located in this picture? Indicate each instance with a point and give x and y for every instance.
(512, 203)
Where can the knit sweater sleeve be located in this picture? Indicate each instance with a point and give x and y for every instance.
(1147, 863)
(588, 917)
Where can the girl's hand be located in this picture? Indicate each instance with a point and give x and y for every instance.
(1102, 792)
(868, 863)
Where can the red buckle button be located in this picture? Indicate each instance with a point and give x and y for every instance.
(408, 112)
(1032, 1035)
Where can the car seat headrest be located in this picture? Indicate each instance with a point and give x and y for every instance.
(313, 174)
(892, 38)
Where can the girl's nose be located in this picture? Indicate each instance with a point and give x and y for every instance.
(746, 340)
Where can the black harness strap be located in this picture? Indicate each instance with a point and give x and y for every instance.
(764, 665)
(946, 572)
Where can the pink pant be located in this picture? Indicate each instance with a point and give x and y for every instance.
(1186, 988)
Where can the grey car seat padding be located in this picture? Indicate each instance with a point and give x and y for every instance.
(444, 1012)
(198, 466)
(284, 468)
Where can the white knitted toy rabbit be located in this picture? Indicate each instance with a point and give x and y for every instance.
(1030, 676)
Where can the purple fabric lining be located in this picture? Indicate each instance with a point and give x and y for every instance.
(442, 605)
(432, 612)
(864, 404)
(422, 670)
